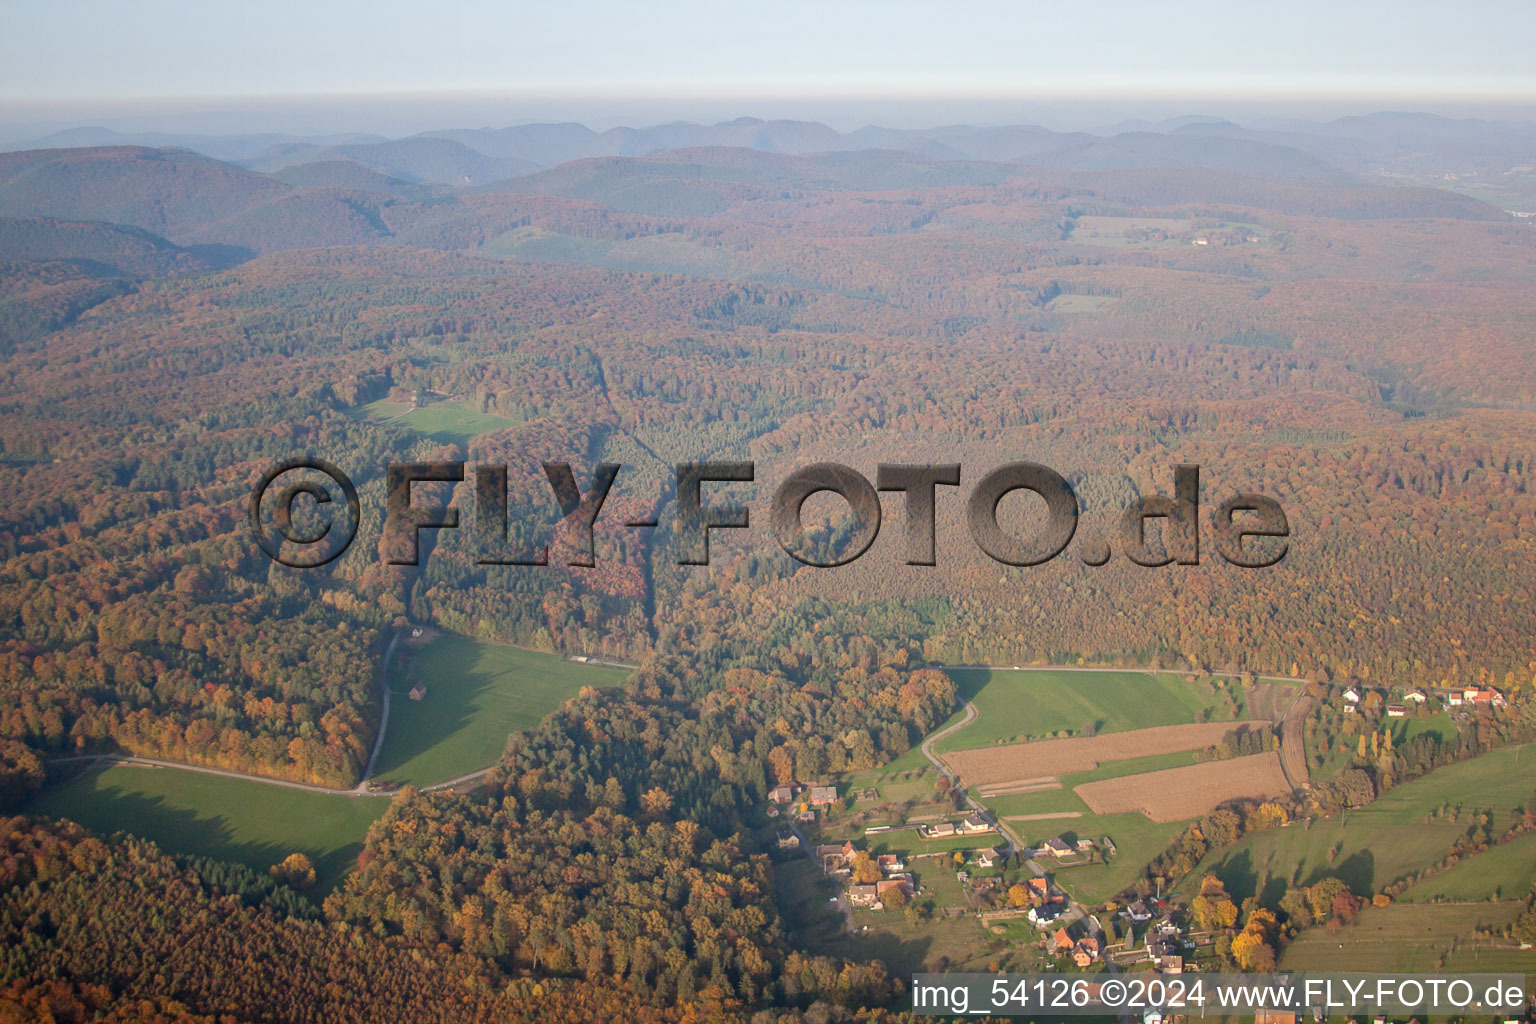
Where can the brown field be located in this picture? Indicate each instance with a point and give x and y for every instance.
(1293, 751)
(1175, 794)
(1025, 763)
(1024, 786)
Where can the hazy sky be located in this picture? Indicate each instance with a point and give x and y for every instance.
(74, 56)
(78, 50)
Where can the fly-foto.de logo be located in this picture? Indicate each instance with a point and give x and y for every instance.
(313, 518)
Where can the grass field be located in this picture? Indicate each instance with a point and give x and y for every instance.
(1030, 703)
(1128, 231)
(1373, 846)
(231, 819)
(446, 422)
(1410, 938)
(1505, 872)
(1081, 303)
(478, 693)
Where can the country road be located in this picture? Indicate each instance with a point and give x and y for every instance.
(378, 739)
(361, 789)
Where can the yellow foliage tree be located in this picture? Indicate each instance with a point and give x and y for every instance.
(295, 870)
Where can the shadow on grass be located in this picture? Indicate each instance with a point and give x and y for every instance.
(451, 702)
(1358, 871)
(106, 807)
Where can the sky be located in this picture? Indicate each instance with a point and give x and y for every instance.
(69, 58)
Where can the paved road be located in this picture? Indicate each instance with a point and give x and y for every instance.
(361, 789)
(1016, 845)
(151, 762)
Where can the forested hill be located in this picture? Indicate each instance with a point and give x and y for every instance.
(1361, 352)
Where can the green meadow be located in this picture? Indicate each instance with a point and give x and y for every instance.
(1399, 833)
(478, 693)
(1415, 938)
(249, 822)
(445, 422)
(1017, 705)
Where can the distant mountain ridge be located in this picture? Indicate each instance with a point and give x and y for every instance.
(463, 157)
(144, 211)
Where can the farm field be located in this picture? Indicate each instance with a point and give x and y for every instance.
(1370, 847)
(1017, 705)
(1137, 838)
(1016, 762)
(1504, 872)
(1177, 794)
(1129, 231)
(443, 421)
(190, 813)
(478, 693)
(1081, 303)
(1411, 938)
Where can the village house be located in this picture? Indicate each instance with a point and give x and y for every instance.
(1086, 952)
(822, 796)
(1352, 696)
(1039, 887)
(887, 886)
(889, 863)
(418, 691)
(1415, 697)
(943, 830)
(1062, 942)
(1275, 1017)
(986, 859)
(835, 856)
(783, 793)
(1396, 711)
(789, 841)
(1137, 912)
(863, 895)
(973, 823)
(1055, 848)
(1047, 912)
